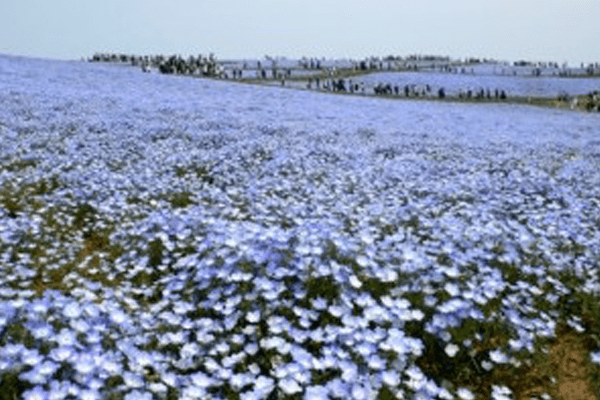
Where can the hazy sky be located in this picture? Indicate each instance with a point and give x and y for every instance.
(537, 30)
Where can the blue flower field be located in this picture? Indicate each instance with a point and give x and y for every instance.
(168, 237)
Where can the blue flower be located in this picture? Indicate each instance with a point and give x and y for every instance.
(289, 386)
(37, 393)
(465, 394)
(62, 353)
(138, 395)
(72, 310)
(316, 393)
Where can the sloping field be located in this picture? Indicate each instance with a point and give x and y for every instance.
(174, 238)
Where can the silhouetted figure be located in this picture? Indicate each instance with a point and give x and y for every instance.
(441, 93)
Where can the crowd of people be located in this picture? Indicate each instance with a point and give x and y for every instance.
(203, 65)
(409, 90)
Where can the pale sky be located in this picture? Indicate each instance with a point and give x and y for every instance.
(535, 30)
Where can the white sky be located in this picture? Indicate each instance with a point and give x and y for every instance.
(536, 30)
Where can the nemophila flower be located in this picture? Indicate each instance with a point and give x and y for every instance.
(498, 357)
(349, 371)
(465, 394)
(112, 367)
(452, 289)
(238, 381)
(451, 349)
(390, 378)
(319, 303)
(58, 390)
(170, 379)
(253, 317)
(444, 394)
(430, 301)
(365, 348)
(118, 316)
(41, 331)
(93, 337)
(251, 348)
(451, 272)
(316, 393)
(201, 380)
(289, 386)
(34, 376)
(189, 350)
(62, 353)
(264, 385)
(386, 275)
(488, 366)
(84, 363)
(72, 310)
(12, 350)
(132, 380)
(338, 388)
(501, 393)
(80, 325)
(254, 369)
(37, 393)
(31, 357)
(212, 365)
(417, 379)
(417, 315)
(87, 394)
(360, 392)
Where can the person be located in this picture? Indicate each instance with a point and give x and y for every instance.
(441, 93)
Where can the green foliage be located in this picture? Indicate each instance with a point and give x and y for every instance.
(155, 252)
(376, 287)
(202, 172)
(11, 387)
(325, 287)
(386, 393)
(181, 200)
(83, 216)
(19, 165)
